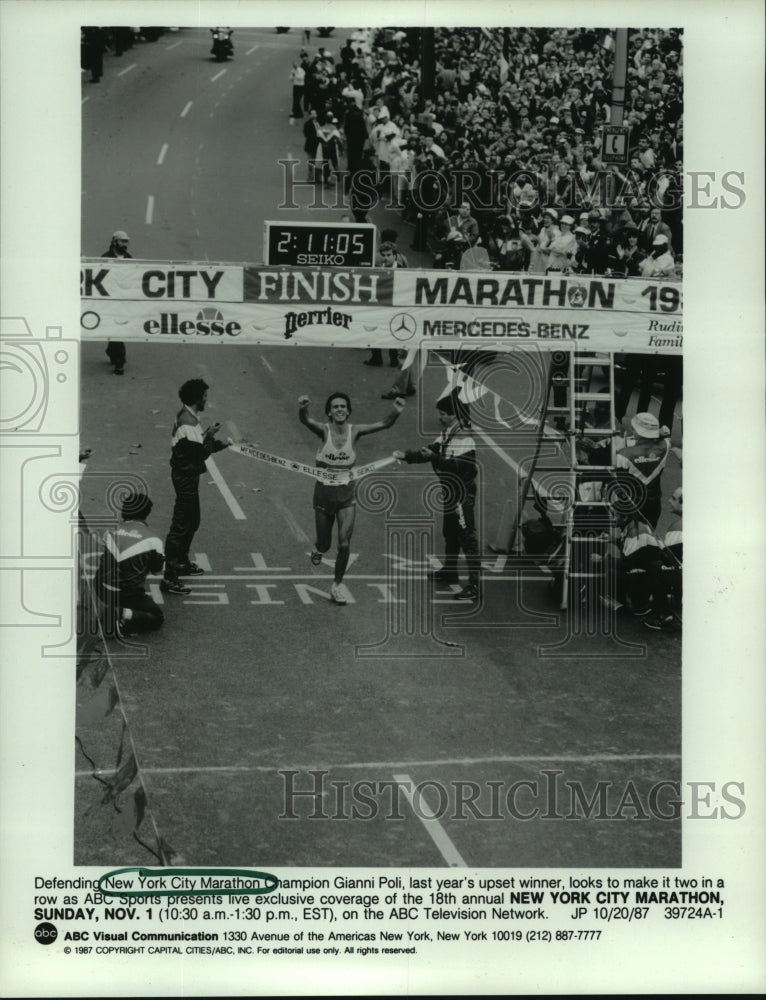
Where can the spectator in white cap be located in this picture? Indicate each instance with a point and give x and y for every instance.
(580, 261)
(562, 249)
(640, 466)
(115, 349)
(659, 263)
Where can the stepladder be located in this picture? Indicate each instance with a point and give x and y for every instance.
(561, 517)
(593, 437)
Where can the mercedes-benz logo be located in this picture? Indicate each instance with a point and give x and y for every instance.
(403, 326)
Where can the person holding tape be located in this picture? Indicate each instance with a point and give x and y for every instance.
(453, 457)
(190, 449)
(337, 502)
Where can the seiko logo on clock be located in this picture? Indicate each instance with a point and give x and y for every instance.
(320, 258)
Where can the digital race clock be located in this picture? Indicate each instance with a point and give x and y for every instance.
(313, 244)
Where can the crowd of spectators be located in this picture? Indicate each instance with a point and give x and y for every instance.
(513, 131)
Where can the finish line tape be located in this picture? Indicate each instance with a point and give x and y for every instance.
(326, 476)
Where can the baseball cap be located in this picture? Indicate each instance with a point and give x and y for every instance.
(583, 230)
(659, 241)
(567, 219)
(552, 212)
(646, 425)
(120, 235)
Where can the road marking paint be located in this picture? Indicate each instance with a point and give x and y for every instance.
(173, 46)
(428, 818)
(250, 51)
(505, 457)
(297, 531)
(390, 765)
(329, 561)
(217, 76)
(161, 157)
(266, 365)
(149, 209)
(220, 482)
(203, 562)
(185, 111)
(259, 563)
(359, 576)
(127, 69)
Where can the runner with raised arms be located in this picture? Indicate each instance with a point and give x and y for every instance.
(337, 502)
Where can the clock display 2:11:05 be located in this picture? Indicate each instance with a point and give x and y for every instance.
(312, 242)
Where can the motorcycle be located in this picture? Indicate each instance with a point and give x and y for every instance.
(223, 47)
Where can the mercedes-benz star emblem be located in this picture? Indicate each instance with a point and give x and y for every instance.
(403, 326)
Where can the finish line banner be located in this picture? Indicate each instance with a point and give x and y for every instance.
(340, 307)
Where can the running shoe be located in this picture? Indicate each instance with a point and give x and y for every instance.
(316, 558)
(174, 587)
(122, 626)
(190, 569)
(339, 593)
(662, 623)
(469, 593)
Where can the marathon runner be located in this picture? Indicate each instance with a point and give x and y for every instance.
(338, 502)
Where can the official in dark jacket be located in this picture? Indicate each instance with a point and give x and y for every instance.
(191, 448)
(453, 457)
(115, 349)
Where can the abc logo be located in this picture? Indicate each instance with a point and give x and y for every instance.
(46, 933)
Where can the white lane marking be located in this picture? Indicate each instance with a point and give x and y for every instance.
(297, 531)
(173, 46)
(266, 364)
(149, 209)
(203, 562)
(357, 576)
(509, 461)
(185, 111)
(220, 482)
(217, 76)
(161, 157)
(250, 51)
(127, 69)
(428, 818)
(389, 765)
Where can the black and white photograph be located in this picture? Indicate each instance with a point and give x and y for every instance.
(401, 659)
(343, 502)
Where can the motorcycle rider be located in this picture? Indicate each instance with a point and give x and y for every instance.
(223, 47)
